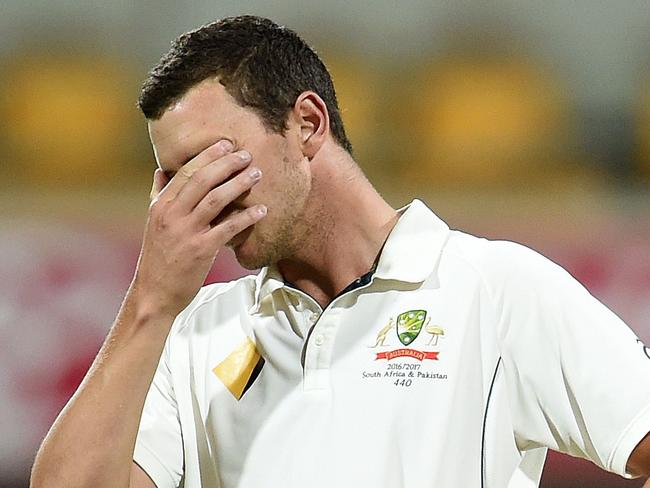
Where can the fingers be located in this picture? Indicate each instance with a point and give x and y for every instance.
(208, 177)
(218, 198)
(159, 182)
(187, 171)
(232, 225)
(205, 186)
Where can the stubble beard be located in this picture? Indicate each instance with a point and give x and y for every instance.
(285, 235)
(282, 242)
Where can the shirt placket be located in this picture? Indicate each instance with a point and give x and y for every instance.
(318, 350)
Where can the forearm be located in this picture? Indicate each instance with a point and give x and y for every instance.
(91, 442)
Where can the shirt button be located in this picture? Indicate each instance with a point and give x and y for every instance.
(319, 339)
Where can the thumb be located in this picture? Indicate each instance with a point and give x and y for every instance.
(159, 182)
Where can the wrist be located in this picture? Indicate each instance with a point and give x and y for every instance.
(145, 308)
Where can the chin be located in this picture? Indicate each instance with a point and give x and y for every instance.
(248, 256)
(250, 263)
(247, 262)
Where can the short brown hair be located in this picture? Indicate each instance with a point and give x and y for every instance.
(261, 64)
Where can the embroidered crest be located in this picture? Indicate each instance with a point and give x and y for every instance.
(409, 325)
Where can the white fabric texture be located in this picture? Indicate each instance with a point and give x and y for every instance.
(459, 364)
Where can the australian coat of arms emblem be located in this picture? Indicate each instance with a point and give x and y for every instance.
(408, 326)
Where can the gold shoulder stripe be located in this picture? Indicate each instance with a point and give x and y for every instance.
(236, 369)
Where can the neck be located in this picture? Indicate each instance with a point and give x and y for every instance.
(348, 223)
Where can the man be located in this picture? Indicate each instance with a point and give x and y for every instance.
(318, 371)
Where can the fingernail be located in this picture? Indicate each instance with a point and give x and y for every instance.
(226, 145)
(244, 155)
(255, 174)
(261, 210)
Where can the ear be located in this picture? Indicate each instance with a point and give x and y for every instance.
(310, 113)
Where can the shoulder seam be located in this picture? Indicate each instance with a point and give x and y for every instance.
(204, 300)
(476, 270)
(484, 282)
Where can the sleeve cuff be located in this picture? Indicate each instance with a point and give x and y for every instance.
(636, 430)
(155, 469)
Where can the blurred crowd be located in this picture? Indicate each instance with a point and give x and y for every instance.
(499, 137)
(473, 118)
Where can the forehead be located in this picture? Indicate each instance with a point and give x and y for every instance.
(206, 114)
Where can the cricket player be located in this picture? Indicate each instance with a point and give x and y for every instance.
(376, 347)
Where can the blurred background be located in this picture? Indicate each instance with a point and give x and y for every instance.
(521, 120)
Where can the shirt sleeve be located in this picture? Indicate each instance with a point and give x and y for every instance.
(578, 378)
(159, 445)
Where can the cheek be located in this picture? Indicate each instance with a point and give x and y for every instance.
(271, 185)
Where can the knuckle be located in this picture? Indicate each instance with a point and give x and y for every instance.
(230, 226)
(213, 199)
(156, 206)
(195, 248)
(159, 223)
(185, 172)
(160, 215)
(164, 220)
(200, 178)
(206, 244)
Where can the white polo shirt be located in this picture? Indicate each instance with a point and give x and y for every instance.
(457, 365)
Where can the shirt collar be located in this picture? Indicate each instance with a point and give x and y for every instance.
(413, 247)
(267, 281)
(410, 253)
